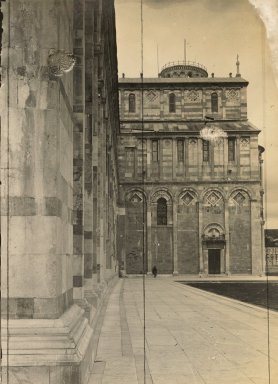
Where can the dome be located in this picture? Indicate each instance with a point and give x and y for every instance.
(183, 69)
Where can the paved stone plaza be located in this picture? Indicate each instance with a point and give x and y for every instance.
(192, 337)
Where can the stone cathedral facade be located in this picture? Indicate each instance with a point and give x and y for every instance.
(189, 206)
(87, 186)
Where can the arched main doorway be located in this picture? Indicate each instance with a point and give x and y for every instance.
(214, 250)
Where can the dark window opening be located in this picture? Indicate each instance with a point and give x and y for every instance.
(180, 151)
(231, 149)
(172, 102)
(131, 103)
(155, 154)
(205, 150)
(161, 211)
(214, 102)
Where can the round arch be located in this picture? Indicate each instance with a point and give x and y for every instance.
(213, 226)
(235, 190)
(161, 193)
(135, 191)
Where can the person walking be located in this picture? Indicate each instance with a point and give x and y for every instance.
(154, 271)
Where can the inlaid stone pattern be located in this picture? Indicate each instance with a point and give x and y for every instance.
(151, 96)
(232, 94)
(244, 142)
(213, 199)
(192, 141)
(135, 199)
(239, 198)
(194, 96)
(187, 198)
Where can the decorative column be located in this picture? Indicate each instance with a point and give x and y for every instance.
(174, 158)
(227, 238)
(256, 238)
(175, 238)
(199, 164)
(201, 259)
(78, 154)
(149, 236)
(149, 158)
(225, 159)
(88, 132)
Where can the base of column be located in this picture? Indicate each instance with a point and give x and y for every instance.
(48, 351)
(175, 273)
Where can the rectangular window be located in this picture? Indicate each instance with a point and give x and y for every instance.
(180, 150)
(231, 149)
(205, 150)
(155, 155)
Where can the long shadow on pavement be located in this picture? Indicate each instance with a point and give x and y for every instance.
(261, 293)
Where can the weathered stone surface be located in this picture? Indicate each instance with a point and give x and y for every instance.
(59, 185)
(165, 155)
(57, 347)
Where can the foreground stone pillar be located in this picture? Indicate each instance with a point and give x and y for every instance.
(45, 338)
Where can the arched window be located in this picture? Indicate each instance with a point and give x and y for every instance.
(214, 102)
(180, 150)
(172, 102)
(205, 150)
(131, 102)
(231, 148)
(161, 211)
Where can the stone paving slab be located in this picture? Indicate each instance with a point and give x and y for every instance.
(192, 337)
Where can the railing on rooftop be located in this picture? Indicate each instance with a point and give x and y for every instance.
(189, 63)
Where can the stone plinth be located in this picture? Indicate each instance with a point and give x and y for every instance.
(47, 351)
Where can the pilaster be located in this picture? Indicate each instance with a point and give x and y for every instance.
(149, 237)
(227, 238)
(256, 247)
(175, 238)
(201, 259)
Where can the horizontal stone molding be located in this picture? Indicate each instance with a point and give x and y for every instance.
(44, 342)
(36, 307)
(31, 206)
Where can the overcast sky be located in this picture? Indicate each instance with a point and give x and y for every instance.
(215, 32)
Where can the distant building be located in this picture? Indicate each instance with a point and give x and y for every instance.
(271, 251)
(190, 206)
